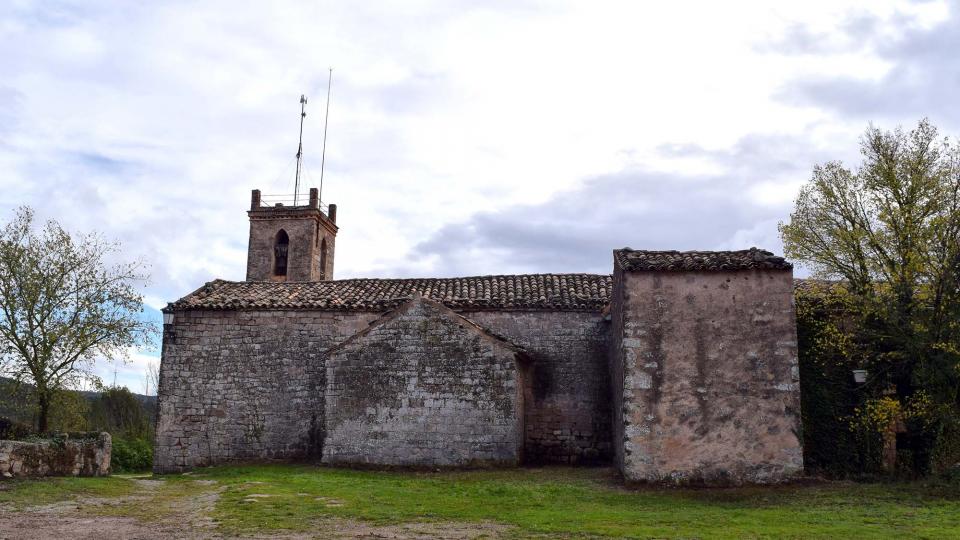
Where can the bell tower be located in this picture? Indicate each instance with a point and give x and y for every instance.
(290, 242)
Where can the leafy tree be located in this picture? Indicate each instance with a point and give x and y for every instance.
(890, 230)
(62, 306)
(119, 412)
(69, 411)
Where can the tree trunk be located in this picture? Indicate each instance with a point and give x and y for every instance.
(43, 399)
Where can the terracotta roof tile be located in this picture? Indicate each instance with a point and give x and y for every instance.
(558, 292)
(632, 260)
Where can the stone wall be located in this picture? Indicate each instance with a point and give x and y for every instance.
(307, 229)
(615, 360)
(244, 385)
(326, 250)
(707, 367)
(301, 254)
(85, 454)
(424, 387)
(238, 385)
(568, 407)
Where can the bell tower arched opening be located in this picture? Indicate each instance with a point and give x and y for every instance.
(281, 250)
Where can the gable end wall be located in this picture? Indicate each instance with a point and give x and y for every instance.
(424, 387)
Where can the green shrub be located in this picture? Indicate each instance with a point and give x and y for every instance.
(952, 475)
(12, 430)
(131, 455)
(946, 453)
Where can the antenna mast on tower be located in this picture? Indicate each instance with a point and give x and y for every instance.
(296, 182)
(326, 119)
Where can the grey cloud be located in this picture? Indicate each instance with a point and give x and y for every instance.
(45, 14)
(575, 231)
(758, 156)
(418, 92)
(80, 189)
(923, 82)
(857, 30)
(101, 163)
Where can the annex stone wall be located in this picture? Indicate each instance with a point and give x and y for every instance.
(567, 411)
(237, 385)
(424, 387)
(705, 370)
(82, 454)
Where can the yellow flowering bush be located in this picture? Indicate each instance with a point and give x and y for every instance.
(879, 415)
(876, 415)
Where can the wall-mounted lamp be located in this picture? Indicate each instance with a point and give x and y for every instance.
(168, 333)
(859, 376)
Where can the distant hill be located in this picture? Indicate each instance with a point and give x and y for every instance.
(17, 403)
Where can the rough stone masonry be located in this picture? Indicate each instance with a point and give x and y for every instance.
(679, 367)
(63, 454)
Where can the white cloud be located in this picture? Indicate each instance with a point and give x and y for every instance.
(129, 370)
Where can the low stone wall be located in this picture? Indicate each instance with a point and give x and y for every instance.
(82, 454)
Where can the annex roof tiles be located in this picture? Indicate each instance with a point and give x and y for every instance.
(631, 260)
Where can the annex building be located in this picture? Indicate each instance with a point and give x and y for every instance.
(677, 367)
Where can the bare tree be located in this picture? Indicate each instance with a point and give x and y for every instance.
(62, 307)
(151, 378)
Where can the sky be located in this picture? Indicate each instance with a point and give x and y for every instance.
(464, 137)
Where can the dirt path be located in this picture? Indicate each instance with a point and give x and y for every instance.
(90, 518)
(152, 513)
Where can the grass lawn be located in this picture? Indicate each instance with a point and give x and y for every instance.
(19, 494)
(528, 502)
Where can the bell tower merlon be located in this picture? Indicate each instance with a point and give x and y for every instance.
(290, 242)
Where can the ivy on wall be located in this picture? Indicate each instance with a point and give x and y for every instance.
(845, 423)
(829, 399)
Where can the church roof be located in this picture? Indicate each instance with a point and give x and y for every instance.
(632, 260)
(555, 292)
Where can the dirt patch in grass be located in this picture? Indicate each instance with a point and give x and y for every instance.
(85, 518)
(143, 508)
(181, 508)
(67, 520)
(47, 524)
(343, 529)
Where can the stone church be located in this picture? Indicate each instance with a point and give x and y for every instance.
(678, 367)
